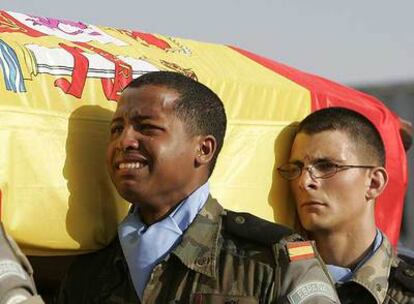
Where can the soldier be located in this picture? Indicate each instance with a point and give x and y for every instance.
(177, 244)
(16, 274)
(336, 171)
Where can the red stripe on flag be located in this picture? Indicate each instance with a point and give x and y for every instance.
(302, 257)
(299, 244)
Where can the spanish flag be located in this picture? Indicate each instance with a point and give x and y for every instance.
(300, 251)
(59, 84)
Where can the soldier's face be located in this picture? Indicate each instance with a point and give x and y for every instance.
(335, 203)
(150, 156)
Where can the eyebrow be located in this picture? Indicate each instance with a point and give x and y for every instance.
(134, 117)
(329, 159)
(138, 117)
(317, 160)
(116, 119)
(324, 159)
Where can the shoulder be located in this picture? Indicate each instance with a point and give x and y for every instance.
(300, 271)
(254, 229)
(403, 275)
(90, 271)
(93, 262)
(102, 256)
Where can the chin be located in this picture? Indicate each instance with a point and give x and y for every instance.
(312, 225)
(128, 193)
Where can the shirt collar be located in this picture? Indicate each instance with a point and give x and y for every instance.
(187, 210)
(181, 216)
(198, 248)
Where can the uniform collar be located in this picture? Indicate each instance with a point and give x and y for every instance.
(198, 248)
(374, 273)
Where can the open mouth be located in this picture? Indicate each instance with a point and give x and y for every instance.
(130, 165)
(135, 165)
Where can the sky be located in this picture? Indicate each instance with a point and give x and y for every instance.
(353, 42)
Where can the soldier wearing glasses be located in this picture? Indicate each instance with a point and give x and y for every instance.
(336, 172)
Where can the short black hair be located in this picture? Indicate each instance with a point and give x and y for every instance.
(359, 129)
(198, 106)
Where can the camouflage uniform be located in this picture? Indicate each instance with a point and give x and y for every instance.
(384, 278)
(224, 257)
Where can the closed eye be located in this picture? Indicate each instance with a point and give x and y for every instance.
(116, 129)
(147, 129)
(297, 163)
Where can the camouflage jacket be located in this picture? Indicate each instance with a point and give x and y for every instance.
(222, 258)
(384, 279)
(16, 273)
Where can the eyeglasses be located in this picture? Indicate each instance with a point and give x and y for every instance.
(321, 169)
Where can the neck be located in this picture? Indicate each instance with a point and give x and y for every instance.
(150, 215)
(344, 248)
(163, 205)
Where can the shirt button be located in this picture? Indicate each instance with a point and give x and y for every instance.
(239, 220)
(201, 261)
(409, 272)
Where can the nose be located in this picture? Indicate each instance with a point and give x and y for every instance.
(129, 139)
(306, 179)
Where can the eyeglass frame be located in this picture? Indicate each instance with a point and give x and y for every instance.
(309, 168)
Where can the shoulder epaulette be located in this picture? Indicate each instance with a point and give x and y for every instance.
(404, 274)
(253, 228)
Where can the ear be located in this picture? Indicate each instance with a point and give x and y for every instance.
(206, 149)
(378, 178)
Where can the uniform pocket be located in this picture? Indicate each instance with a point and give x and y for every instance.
(208, 298)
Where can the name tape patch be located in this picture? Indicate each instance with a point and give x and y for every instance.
(9, 267)
(300, 251)
(311, 289)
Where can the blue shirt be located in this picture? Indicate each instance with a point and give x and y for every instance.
(342, 274)
(145, 246)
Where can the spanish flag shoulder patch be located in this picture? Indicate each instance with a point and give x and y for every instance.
(300, 251)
